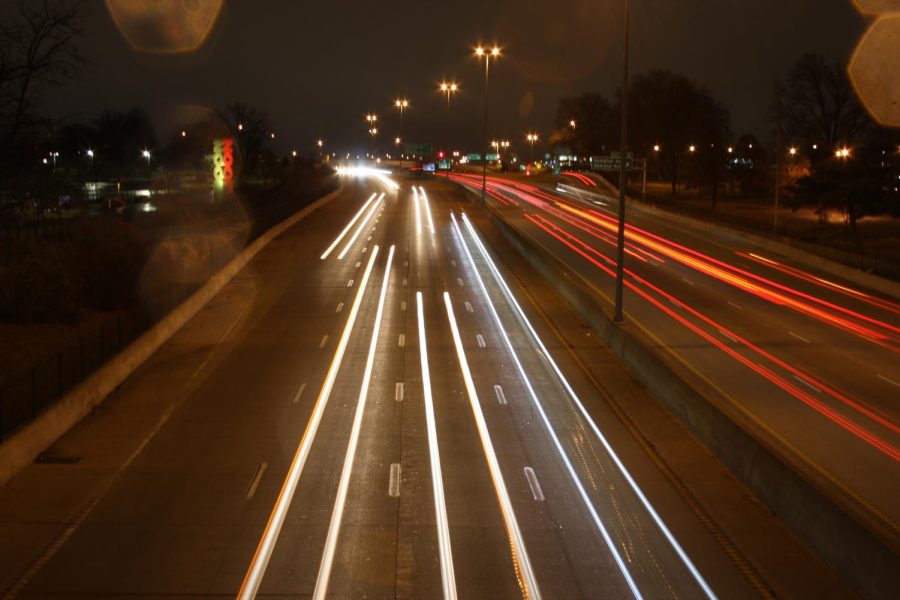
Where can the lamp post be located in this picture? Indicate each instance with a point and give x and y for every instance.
(146, 154)
(487, 55)
(532, 138)
(448, 89)
(401, 104)
(623, 144)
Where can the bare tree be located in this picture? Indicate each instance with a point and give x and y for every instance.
(817, 104)
(252, 128)
(38, 49)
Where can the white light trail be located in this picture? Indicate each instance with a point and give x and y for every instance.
(622, 469)
(338, 239)
(380, 174)
(337, 512)
(604, 533)
(418, 212)
(427, 210)
(517, 543)
(448, 578)
(256, 571)
(361, 226)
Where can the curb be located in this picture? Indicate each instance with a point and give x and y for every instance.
(25, 445)
(856, 543)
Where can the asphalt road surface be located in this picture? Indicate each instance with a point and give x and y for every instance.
(808, 359)
(378, 408)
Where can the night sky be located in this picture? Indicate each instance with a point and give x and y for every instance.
(318, 67)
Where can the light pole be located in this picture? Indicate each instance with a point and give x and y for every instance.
(532, 138)
(487, 55)
(401, 104)
(448, 88)
(623, 144)
(372, 120)
(146, 154)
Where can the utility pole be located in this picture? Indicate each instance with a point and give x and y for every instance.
(623, 179)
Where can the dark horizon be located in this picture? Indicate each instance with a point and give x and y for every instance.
(285, 62)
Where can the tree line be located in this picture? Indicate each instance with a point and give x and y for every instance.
(686, 135)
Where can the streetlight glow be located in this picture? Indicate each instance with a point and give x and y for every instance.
(656, 147)
(692, 148)
(792, 151)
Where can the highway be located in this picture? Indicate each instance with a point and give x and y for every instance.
(807, 358)
(387, 413)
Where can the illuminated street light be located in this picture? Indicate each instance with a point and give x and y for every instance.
(90, 153)
(532, 138)
(730, 150)
(692, 148)
(272, 135)
(146, 154)
(656, 147)
(320, 143)
(572, 123)
(481, 52)
(842, 153)
(792, 151)
(183, 133)
(240, 126)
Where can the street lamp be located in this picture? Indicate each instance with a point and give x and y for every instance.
(448, 88)
(623, 145)
(401, 104)
(487, 55)
(532, 138)
(146, 154)
(183, 133)
(792, 152)
(656, 147)
(572, 123)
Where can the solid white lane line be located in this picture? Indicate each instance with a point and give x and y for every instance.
(687, 281)
(501, 397)
(469, 307)
(299, 393)
(259, 563)
(891, 381)
(534, 484)
(480, 340)
(427, 210)
(337, 513)
(418, 212)
(398, 391)
(799, 337)
(517, 542)
(735, 305)
(347, 228)
(394, 481)
(448, 578)
(401, 340)
(495, 272)
(360, 229)
(339, 308)
(254, 483)
(323, 342)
